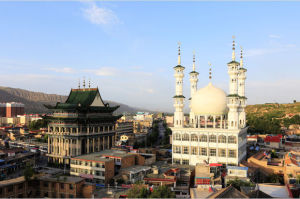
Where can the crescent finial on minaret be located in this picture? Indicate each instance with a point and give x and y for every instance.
(210, 76)
(194, 61)
(241, 62)
(179, 58)
(233, 48)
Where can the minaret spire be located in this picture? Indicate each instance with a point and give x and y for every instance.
(79, 83)
(179, 58)
(233, 48)
(83, 82)
(241, 62)
(209, 70)
(89, 83)
(194, 61)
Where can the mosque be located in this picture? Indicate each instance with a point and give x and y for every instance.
(217, 130)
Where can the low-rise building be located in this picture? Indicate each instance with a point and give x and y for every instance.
(234, 172)
(274, 142)
(133, 174)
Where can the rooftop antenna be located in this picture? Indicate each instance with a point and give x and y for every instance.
(89, 83)
(83, 82)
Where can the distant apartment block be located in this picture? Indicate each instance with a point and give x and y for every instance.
(11, 109)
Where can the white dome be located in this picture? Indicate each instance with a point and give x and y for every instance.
(209, 100)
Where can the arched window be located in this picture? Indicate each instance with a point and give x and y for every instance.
(231, 123)
(194, 137)
(185, 137)
(222, 139)
(231, 139)
(203, 138)
(212, 138)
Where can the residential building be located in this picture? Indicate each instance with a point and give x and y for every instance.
(217, 129)
(11, 109)
(101, 167)
(273, 141)
(133, 174)
(83, 124)
(235, 172)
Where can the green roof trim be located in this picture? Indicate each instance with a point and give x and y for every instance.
(179, 66)
(194, 72)
(233, 95)
(84, 97)
(190, 98)
(178, 96)
(244, 69)
(243, 97)
(233, 62)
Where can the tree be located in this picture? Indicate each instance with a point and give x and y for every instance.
(28, 172)
(137, 191)
(237, 183)
(162, 192)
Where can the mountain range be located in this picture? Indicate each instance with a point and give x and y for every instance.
(34, 101)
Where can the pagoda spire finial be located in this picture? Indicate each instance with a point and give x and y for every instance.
(179, 58)
(194, 61)
(83, 82)
(241, 62)
(233, 48)
(89, 83)
(210, 76)
(79, 83)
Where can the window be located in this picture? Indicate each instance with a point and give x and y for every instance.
(232, 140)
(231, 153)
(203, 138)
(194, 150)
(62, 195)
(177, 136)
(212, 152)
(222, 152)
(46, 195)
(71, 186)
(185, 162)
(61, 185)
(222, 139)
(45, 184)
(185, 150)
(97, 165)
(176, 161)
(185, 137)
(71, 196)
(204, 151)
(194, 138)
(10, 188)
(177, 149)
(20, 186)
(212, 138)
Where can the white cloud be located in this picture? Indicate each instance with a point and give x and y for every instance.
(100, 16)
(61, 70)
(103, 71)
(264, 51)
(274, 36)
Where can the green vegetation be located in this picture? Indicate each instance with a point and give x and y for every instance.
(263, 124)
(166, 139)
(237, 183)
(273, 178)
(44, 139)
(289, 121)
(138, 191)
(28, 172)
(36, 125)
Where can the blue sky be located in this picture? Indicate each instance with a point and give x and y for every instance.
(128, 49)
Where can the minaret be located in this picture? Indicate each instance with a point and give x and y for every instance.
(241, 92)
(178, 98)
(233, 97)
(193, 82)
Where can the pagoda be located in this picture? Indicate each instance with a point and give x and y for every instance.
(83, 124)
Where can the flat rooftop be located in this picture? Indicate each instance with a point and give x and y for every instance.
(101, 156)
(12, 181)
(64, 179)
(136, 168)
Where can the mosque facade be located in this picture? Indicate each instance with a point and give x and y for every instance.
(217, 130)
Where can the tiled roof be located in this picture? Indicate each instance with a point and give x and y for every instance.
(273, 138)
